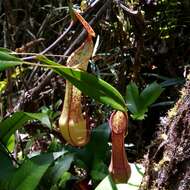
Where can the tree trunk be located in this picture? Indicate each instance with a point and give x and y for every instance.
(168, 158)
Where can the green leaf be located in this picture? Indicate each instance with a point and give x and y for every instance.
(172, 82)
(8, 64)
(64, 178)
(6, 171)
(11, 143)
(99, 141)
(90, 85)
(106, 184)
(94, 154)
(43, 117)
(138, 104)
(133, 99)
(72, 14)
(61, 165)
(30, 173)
(16, 121)
(99, 170)
(5, 50)
(150, 94)
(7, 60)
(87, 83)
(139, 115)
(96, 149)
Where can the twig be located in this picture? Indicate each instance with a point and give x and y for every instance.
(124, 7)
(35, 54)
(52, 45)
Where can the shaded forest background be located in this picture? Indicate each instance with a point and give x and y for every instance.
(138, 40)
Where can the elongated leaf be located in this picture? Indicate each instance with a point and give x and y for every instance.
(99, 170)
(11, 143)
(5, 50)
(133, 99)
(30, 173)
(6, 171)
(98, 146)
(8, 64)
(151, 93)
(138, 104)
(7, 60)
(90, 85)
(172, 82)
(96, 149)
(87, 83)
(16, 121)
(62, 165)
(5, 56)
(43, 117)
(99, 141)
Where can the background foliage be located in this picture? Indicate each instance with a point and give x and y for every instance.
(141, 55)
